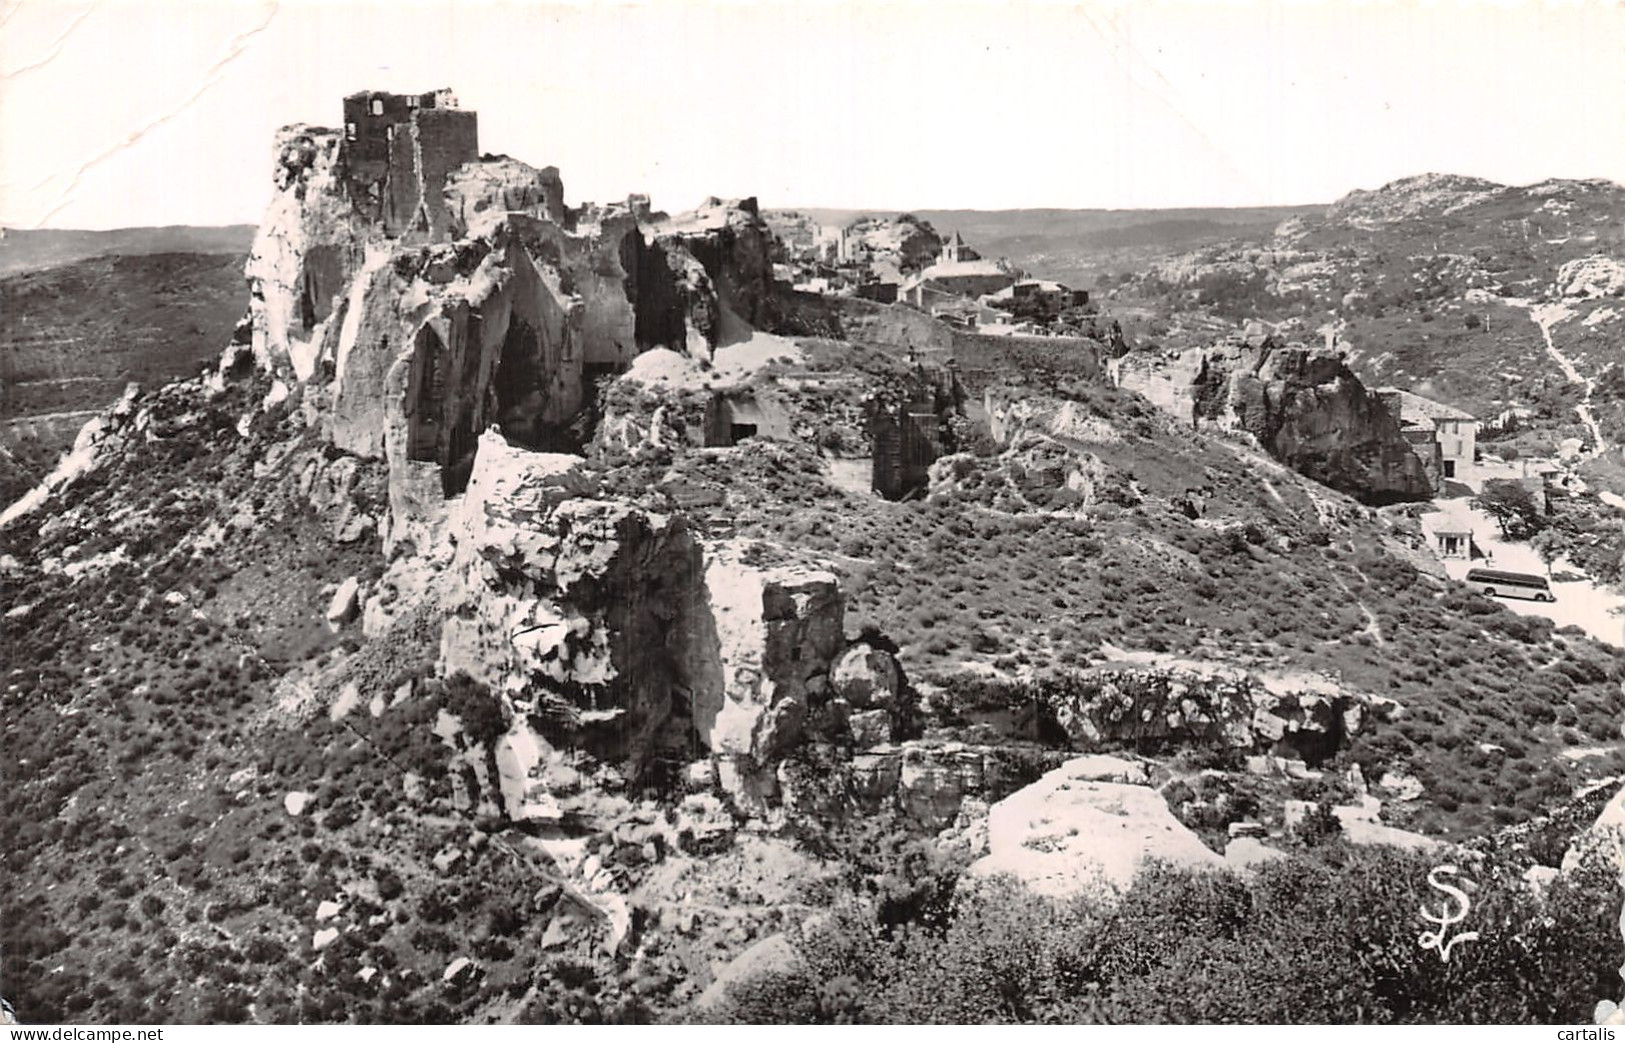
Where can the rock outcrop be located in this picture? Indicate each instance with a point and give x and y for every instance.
(930, 782)
(1305, 406)
(1083, 830)
(1191, 703)
(912, 421)
(612, 629)
(496, 306)
(1595, 276)
(1043, 463)
(904, 240)
(500, 184)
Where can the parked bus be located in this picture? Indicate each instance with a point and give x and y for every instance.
(1492, 582)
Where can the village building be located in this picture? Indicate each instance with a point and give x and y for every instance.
(1041, 295)
(955, 279)
(954, 251)
(1454, 543)
(1445, 437)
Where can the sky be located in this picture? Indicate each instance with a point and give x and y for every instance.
(150, 112)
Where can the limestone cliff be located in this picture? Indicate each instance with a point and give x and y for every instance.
(1306, 407)
(308, 247)
(503, 307)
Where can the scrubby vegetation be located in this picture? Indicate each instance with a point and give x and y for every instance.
(1328, 938)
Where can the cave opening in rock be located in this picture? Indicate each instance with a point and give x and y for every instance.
(521, 389)
(426, 397)
(464, 411)
(520, 385)
(739, 432)
(657, 300)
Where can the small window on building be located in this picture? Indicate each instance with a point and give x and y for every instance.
(377, 106)
(349, 131)
(411, 103)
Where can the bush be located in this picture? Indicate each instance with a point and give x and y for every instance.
(1322, 938)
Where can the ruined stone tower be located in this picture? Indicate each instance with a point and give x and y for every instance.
(398, 150)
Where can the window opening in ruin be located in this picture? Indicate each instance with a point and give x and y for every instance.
(349, 131)
(377, 106)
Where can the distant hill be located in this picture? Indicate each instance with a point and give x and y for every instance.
(1076, 246)
(29, 249)
(73, 334)
(1439, 283)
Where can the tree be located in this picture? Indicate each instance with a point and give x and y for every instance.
(1548, 543)
(1513, 507)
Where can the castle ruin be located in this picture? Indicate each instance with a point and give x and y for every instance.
(398, 151)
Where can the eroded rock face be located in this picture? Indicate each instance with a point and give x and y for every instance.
(1194, 703)
(498, 185)
(733, 248)
(613, 629)
(1305, 406)
(308, 247)
(570, 607)
(776, 632)
(494, 305)
(912, 422)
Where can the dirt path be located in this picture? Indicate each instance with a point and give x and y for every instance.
(1546, 316)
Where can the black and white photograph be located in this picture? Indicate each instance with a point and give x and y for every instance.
(797, 513)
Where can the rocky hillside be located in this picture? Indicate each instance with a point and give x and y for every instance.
(1476, 294)
(505, 631)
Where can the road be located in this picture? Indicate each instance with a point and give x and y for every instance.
(1593, 608)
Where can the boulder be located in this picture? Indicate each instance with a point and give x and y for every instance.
(460, 972)
(346, 603)
(773, 955)
(1064, 835)
(868, 678)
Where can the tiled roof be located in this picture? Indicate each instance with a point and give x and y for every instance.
(1415, 407)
